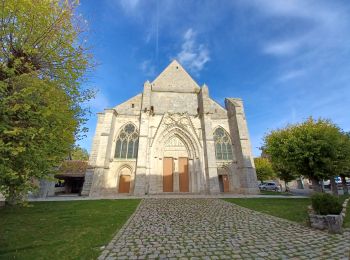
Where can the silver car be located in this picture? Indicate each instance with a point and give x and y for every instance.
(269, 186)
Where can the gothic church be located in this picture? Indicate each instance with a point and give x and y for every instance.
(171, 138)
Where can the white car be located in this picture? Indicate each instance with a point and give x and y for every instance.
(269, 186)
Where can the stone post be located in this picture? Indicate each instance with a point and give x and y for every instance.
(241, 144)
(212, 181)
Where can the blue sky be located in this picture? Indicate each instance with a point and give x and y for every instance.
(287, 60)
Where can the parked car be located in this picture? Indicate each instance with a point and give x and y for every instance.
(269, 186)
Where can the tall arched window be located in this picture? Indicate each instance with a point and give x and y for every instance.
(127, 143)
(223, 146)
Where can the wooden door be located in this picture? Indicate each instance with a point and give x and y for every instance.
(124, 184)
(183, 174)
(225, 182)
(168, 174)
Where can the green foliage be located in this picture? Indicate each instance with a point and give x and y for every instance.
(316, 149)
(284, 173)
(264, 170)
(79, 154)
(326, 204)
(41, 69)
(73, 167)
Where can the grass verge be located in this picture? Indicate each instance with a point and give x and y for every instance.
(61, 230)
(291, 209)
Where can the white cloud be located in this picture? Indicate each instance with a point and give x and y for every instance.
(99, 103)
(193, 55)
(129, 5)
(148, 68)
(280, 48)
(292, 74)
(322, 21)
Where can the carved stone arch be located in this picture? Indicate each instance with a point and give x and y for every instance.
(116, 135)
(190, 143)
(228, 134)
(180, 121)
(123, 166)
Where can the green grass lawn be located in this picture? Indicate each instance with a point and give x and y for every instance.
(291, 209)
(61, 230)
(268, 192)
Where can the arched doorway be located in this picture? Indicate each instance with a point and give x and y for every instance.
(175, 166)
(124, 180)
(224, 183)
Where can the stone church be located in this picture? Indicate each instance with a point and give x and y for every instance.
(171, 138)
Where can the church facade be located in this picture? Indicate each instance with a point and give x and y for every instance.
(171, 138)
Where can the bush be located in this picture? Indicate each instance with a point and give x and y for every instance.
(326, 204)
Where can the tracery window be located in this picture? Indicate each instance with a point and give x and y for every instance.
(223, 146)
(127, 143)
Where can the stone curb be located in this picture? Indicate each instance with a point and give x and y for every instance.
(107, 248)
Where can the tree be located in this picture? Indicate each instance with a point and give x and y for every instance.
(311, 148)
(343, 169)
(42, 65)
(284, 174)
(79, 154)
(264, 170)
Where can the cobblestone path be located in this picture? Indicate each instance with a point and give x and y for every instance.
(215, 229)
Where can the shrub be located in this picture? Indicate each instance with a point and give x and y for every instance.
(326, 204)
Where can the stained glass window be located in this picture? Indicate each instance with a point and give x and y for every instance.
(223, 146)
(127, 143)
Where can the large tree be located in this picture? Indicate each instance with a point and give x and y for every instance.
(42, 65)
(264, 170)
(313, 149)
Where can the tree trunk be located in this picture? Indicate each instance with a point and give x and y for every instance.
(15, 196)
(345, 187)
(315, 185)
(334, 186)
(286, 184)
(11, 199)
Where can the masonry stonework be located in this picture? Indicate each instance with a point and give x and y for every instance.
(172, 120)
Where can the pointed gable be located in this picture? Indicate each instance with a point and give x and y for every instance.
(175, 79)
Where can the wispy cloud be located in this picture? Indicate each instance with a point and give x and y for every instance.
(280, 48)
(193, 55)
(129, 5)
(99, 103)
(322, 24)
(148, 68)
(292, 74)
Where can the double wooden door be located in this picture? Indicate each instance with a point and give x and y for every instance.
(168, 174)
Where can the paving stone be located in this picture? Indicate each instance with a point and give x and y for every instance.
(188, 228)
